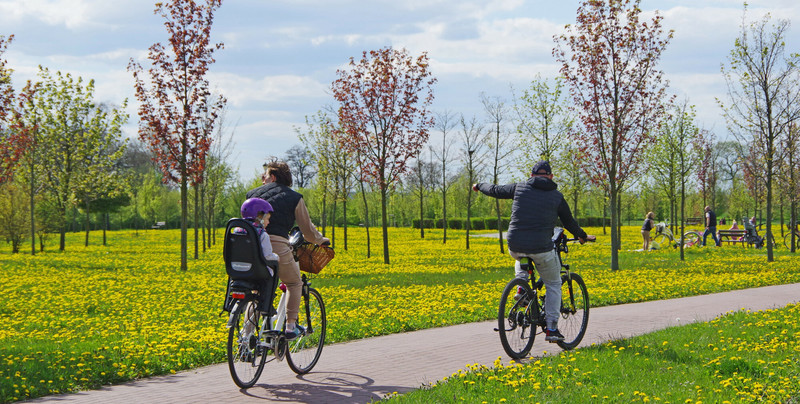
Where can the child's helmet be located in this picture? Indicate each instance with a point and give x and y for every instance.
(252, 207)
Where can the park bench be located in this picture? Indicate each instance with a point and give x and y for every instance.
(694, 221)
(159, 225)
(731, 236)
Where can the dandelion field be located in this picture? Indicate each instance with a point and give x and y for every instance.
(99, 315)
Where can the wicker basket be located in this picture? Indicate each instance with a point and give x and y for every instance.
(312, 258)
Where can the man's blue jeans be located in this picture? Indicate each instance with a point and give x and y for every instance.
(713, 232)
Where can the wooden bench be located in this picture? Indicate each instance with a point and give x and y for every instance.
(731, 236)
(694, 221)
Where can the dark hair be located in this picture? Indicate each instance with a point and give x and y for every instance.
(281, 171)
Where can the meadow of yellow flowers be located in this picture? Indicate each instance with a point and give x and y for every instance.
(97, 315)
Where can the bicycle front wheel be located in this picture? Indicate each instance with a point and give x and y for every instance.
(305, 350)
(245, 358)
(517, 330)
(787, 240)
(574, 310)
(691, 238)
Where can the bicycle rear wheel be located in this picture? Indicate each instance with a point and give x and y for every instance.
(245, 358)
(691, 238)
(305, 350)
(517, 331)
(574, 310)
(660, 241)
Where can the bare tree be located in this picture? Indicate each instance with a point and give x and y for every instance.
(300, 160)
(445, 122)
(499, 145)
(472, 136)
(764, 92)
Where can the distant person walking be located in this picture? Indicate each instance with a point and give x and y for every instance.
(646, 227)
(711, 226)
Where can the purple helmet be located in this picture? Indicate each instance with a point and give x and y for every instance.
(252, 207)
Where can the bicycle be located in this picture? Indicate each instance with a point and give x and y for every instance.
(663, 237)
(255, 328)
(517, 319)
(787, 238)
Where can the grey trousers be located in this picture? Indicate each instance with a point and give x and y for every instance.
(550, 271)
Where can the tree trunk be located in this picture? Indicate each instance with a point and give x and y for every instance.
(196, 222)
(683, 216)
(366, 214)
(421, 214)
(184, 212)
(32, 195)
(105, 227)
(333, 223)
(499, 226)
(344, 220)
(384, 219)
(86, 224)
(615, 242)
(203, 216)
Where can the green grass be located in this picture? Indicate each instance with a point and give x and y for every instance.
(741, 357)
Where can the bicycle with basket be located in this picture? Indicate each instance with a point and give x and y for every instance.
(255, 327)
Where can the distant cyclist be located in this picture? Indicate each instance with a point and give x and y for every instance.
(537, 204)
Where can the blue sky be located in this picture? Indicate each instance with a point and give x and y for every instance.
(281, 56)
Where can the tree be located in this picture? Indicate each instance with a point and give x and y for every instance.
(176, 112)
(498, 142)
(675, 156)
(472, 137)
(543, 122)
(383, 108)
(445, 122)
(611, 68)
(14, 136)
(299, 159)
(77, 141)
(14, 215)
(764, 93)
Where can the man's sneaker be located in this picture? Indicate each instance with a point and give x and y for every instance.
(299, 330)
(553, 335)
(521, 295)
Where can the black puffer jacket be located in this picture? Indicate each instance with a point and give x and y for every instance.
(284, 200)
(536, 207)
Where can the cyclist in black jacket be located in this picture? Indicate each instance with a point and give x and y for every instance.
(536, 207)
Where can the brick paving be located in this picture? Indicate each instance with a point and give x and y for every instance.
(366, 370)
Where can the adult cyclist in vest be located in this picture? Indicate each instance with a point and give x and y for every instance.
(289, 209)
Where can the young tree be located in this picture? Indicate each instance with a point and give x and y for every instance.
(609, 59)
(472, 137)
(176, 110)
(764, 93)
(543, 121)
(383, 109)
(14, 215)
(499, 146)
(675, 157)
(445, 122)
(77, 141)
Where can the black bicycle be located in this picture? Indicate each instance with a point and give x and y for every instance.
(256, 330)
(520, 315)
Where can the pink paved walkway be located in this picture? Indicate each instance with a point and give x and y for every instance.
(367, 370)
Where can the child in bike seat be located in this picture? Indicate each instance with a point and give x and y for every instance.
(258, 211)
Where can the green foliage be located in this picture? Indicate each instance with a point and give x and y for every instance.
(15, 214)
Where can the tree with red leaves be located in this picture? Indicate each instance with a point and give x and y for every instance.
(14, 138)
(176, 111)
(383, 112)
(609, 59)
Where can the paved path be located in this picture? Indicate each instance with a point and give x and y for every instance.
(367, 370)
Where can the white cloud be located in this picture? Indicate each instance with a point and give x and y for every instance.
(242, 90)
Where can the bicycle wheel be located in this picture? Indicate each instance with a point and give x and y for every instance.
(245, 359)
(691, 238)
(517, 331)
(304, 351)
(660, 241)
(787, 241)
(574, 311)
